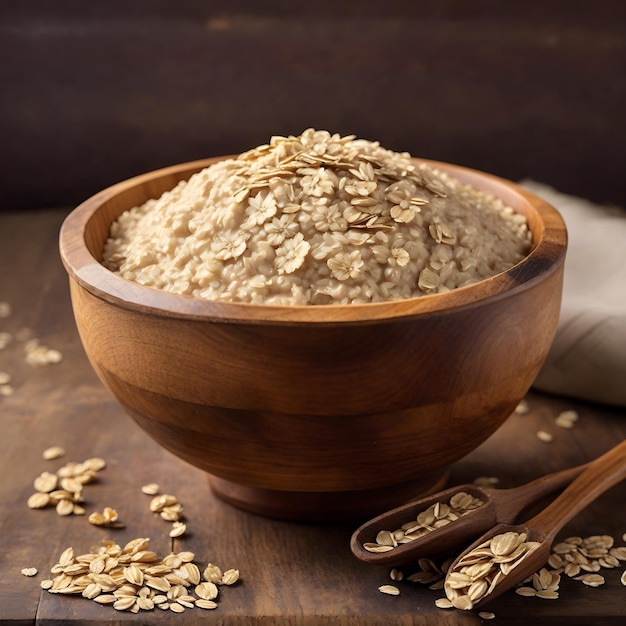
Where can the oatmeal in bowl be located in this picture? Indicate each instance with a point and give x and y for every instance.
(317, 219)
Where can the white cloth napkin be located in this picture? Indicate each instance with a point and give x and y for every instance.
(588, 357)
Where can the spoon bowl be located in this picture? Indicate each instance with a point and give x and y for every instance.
(498, 506)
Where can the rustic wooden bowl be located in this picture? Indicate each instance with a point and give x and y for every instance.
(318, 412)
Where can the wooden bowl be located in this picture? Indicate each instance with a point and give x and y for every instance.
(316, 412)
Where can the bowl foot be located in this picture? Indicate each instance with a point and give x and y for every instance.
(325, 506)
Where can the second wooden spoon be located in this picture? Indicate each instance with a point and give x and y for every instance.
(499, 506)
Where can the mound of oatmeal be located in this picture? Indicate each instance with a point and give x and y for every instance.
(316, 219)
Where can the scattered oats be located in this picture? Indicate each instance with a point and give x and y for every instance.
(124, 604)
(390, 590)
(546, 580)
(526, 591)
(6, 390)
(555, 561)
(231, 576)
(592, 580)
(191, 573)
(206, 604)
(95, 464)
(522, 408)
(133, 574)
(144, 556)
(158, 584)
(67, 557)
(145, 604)
(563, 423)
(105, 598)
(71, 484)
(185, 599)
(96, 518)
(151, 489)
(395, 574)
(172, 513)
(133, 578)
(70, 477)
(53, 356)
(62, 494)
(54, 452)
(544, 436)
(46, 584)
(65, 507)
(38, 500)
(207, 591)
(443, 603)
(486, 615)
(619, 553)
(5, 309)
(178, 529)
(186, 603)
(29, 571)
(162, 501)
(570, 415)
(464, 603)
(212, 573)
(572, 569)
(91, 591)
(108, 517)
(608, 561)
(566, 419)
(562, 548)
(623, 578)
(37, 354)
(594, 566)
(5, 378)
(177, 589)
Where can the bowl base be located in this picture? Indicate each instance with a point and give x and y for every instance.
(326, 506)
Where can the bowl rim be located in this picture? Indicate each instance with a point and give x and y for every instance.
(547, 254)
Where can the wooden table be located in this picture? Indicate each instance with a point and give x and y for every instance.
(291, 573)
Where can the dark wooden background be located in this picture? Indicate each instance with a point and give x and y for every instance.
(95, 92)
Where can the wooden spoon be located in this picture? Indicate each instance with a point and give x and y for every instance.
(601, 474)
(500, 506)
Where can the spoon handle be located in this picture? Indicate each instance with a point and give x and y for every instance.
(509, 503)
(602, 474)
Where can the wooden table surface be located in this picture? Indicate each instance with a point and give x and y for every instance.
(291, 573)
